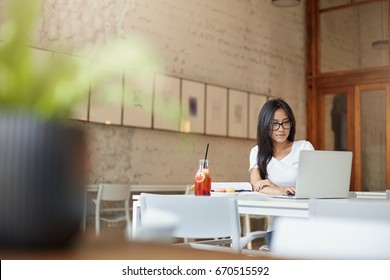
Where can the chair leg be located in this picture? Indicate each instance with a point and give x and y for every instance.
(97, 223)
(128, 231)
(266, 222)
(84, 222)
(247, 228)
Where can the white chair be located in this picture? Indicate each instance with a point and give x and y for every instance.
(336, 229)
(331, 238)
(91, 188)
(367, 209)
(246, 186)
(201, 218)
(112, 193)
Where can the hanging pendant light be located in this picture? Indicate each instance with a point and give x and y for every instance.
(285, 3)
(382, 43)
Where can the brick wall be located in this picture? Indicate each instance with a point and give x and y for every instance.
(244, 44)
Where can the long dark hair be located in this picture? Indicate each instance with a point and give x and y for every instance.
(264, 140)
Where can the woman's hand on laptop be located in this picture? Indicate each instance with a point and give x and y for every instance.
(289, 191)
(278, 190)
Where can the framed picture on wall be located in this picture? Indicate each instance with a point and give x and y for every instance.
(238, 114)
(192, 106)
(216, 110)
(256, 102)
(166, 106)
(106, 99)
(138, 98)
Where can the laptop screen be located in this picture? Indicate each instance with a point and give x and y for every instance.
(324, 174)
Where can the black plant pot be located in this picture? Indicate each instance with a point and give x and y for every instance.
(41, 183)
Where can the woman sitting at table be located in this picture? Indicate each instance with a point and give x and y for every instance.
(273, 162)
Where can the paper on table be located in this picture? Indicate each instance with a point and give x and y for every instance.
(252, 194)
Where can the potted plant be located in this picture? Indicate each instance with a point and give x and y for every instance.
(42, 156)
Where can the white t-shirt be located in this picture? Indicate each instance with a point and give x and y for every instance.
(282, 172)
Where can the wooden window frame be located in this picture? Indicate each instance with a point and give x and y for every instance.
(319, 84)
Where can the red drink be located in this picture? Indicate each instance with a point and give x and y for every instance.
(203, 179)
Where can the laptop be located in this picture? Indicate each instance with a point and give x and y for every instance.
(322, 174)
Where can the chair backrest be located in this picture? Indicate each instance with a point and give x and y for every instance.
(330, 238)
(337, 229)
(113, 192)
(198, 217)
(368, 209)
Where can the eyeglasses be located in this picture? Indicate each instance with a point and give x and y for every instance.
(286, 125)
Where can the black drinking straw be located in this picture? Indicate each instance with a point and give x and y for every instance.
(205, 156)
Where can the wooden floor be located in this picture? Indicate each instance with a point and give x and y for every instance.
(113, 244)
(120, 250)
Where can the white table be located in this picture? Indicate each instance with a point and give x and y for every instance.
(369, 195)
(267, 206)
(256, 205)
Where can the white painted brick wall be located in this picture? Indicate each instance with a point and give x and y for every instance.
(245, 44)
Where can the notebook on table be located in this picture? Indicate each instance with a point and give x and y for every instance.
(322, 174)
